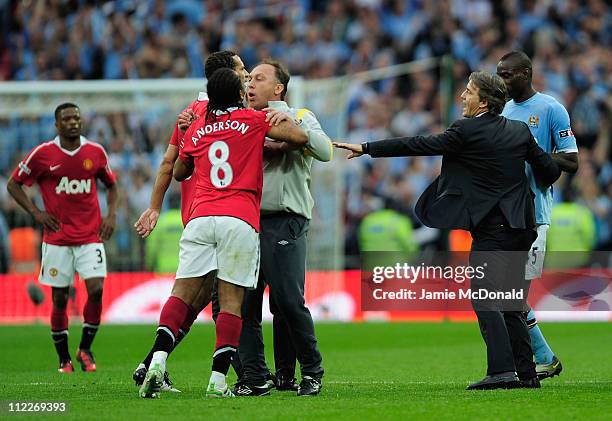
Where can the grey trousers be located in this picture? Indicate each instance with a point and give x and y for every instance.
(283, 269)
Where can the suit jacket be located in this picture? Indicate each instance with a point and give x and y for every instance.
(483, 165)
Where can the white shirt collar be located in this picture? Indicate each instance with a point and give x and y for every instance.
(67, 152)
(229, 110)
(481, 114)
(278, 105)
(202, 96)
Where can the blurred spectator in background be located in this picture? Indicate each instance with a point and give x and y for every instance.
(572, 235)
(595, 198)
(140, 191)
(24, 246)
(5, 245)
(162, 246)
(386, 229)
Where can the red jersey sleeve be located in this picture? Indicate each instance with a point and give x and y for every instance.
(105, 174)
(28, 170)
(176, 136)
(186, 147)
(260, 120)
(184, 154)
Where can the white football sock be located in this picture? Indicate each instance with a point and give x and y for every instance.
(218, 379)
(159, 357)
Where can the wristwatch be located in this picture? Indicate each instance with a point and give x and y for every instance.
(365, 148)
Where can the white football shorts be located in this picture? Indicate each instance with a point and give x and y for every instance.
(535, 260)
(222, 243)
(59, 263)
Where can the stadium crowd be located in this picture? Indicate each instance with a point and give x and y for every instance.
(89, 39)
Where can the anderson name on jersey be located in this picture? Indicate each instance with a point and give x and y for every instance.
(228, 155)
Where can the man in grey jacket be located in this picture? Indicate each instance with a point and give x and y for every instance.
(286, 210)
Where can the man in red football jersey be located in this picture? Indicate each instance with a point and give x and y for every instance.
(220, 242)
(66, 169)
(147, 221)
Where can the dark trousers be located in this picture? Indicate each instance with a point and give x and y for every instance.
(503, 251)
(251, 339)
(252, 343)
(284, 351)
(283, 269)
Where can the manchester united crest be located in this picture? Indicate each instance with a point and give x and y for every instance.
(88, 164)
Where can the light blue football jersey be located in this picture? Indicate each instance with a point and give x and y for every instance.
(549, 123)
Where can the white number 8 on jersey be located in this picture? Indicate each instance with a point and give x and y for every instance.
(219, 163)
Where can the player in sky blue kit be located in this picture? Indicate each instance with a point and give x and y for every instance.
(549, 123)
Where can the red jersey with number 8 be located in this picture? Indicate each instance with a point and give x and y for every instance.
(67, 181)
(228, 157)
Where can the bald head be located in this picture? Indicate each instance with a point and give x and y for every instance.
(517, 60)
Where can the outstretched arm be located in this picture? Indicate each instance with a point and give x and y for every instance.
(149, 217)
(355, 149)
(448, 142)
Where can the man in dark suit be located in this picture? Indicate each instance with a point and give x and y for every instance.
(483, 188)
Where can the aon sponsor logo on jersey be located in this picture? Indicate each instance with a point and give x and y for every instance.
(73, 186)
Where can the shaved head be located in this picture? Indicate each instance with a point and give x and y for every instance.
(516, 71)
(517, 60)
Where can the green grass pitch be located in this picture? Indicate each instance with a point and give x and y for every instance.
(373, 371)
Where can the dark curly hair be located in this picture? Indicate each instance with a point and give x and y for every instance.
(224, 91)
(219, 60)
